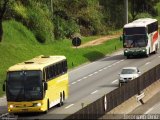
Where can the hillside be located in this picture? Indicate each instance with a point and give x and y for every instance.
(19, 44)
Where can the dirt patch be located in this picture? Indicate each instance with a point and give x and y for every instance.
(99, 41)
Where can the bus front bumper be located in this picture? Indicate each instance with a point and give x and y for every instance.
(25, 110)
(24, 107)
(135, 52)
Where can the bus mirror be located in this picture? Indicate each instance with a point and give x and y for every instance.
(4, 87)
(121, 38)
(45, 86)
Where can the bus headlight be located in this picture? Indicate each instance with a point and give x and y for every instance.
(144, 50)
(125, 51)
(11, 106)
(37, 104)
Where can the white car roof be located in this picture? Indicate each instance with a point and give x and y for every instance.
(129, 68)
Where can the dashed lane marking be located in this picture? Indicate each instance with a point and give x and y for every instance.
(69, 106)
(94, 92)
(115, 81)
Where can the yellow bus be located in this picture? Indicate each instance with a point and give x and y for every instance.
(37, 85)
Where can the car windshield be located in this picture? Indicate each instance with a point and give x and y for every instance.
(128, 71)
(24, 86)
(131, 41)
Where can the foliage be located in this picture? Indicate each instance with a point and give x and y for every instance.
(157, 8)
(3, 8)
(36, 17)
(49, 19)
(143, 15)
(64, 28)
(85, 13)
(143, 6)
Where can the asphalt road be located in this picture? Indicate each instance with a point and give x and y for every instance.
(93, 80)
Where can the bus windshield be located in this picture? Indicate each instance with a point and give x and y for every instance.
(24, 86)
(131, 41)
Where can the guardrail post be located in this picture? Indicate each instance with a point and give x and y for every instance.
(139, 91)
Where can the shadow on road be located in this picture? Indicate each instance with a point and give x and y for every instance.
(116, 57)
(91, 55)
(109, 85)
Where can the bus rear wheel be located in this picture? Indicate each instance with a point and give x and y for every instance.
(156, 50)
(61, 100)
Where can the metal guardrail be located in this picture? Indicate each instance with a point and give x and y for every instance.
(111, 100)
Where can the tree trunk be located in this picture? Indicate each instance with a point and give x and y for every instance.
(1, 30)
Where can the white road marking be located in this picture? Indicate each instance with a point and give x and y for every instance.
(155, 106)
(84, 77)
(73, 83)
(90, 75)
(92, 63)
(147, 63)
(114, 63)
(79, 80)
(115, 81)
(69, 106)
(104, 68)
(118, 62)
(4, 115)
(94, 92)
(122, 60)
(95, 72)
(148, 110)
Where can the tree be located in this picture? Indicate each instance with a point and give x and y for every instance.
(3, 7)
(143, 6)
(113, 11)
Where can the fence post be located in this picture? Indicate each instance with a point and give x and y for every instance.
(139, 90)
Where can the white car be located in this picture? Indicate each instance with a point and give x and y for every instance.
(128, 74)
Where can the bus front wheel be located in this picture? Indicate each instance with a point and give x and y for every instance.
(128, 57)
(47, 107)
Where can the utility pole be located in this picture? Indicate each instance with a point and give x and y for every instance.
(126, 11)
(52, 6)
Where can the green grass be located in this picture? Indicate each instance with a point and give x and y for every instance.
(19, 44)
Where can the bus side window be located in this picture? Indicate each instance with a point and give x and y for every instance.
(60, 67)
(65, 66)
(53, 71)
(47, 73)
(57, 71)
(51, 75)
(44, 75)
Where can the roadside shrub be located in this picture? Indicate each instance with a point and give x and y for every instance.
(64, 28)
(36, 18)
(143, 15)
(157, 8)
(40, 24)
